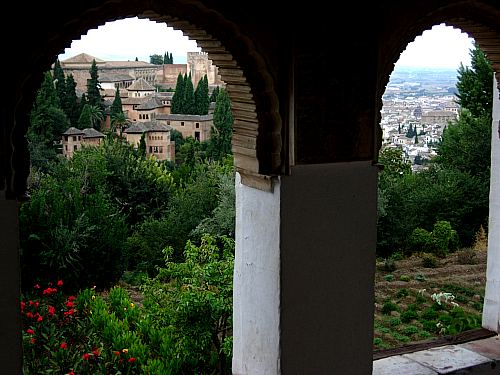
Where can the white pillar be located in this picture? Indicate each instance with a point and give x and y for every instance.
(304, 272)
(256, 281)
(10, 324)
(491, 308)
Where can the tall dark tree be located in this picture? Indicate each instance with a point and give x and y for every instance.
(94, 87)
(136, 59)
(178, 97)
(201, 98)
(215, 93)
(48, 122)
(142, 145)
(70, 104)
(220, 142)
(116, 106)
(189, 104)
(59, 82)
(475, 84)
(171, 58)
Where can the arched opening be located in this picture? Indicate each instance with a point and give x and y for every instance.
(481, 277)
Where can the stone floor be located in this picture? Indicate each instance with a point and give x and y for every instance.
(476, 357)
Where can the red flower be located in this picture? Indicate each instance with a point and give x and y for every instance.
(131, 360)
(39, 318)
(96, 352)
(86, 356)
(37, 286)
(70, 304)
(23, 305)
(116, 353)
(71, 373)
(69, 312)
(64, 345)
(59, 283)
(29, 331)
(71, 298)
(29, 314)
(30, 302)
(33, 341)
(37, 303)
(52, 310)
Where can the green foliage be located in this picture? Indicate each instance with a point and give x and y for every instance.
(91, 117)
(408, 315)
(116, 106)
(156, 59)
(71, 227)
(94, 88)
(420, 277)
(188, 106)
(420, 240)
(177, 104)
(193, 301)
(47, 123)
(389, 265)
(215, 94)
(394, 322)
(59, 82)
(405, 278)
(444, 238)
(70, 101)
(142, 145)
(475, 84)
(220, 142)
(402, 292)
(389, 306)
(201, 98)
(389, 278)
(429, 261)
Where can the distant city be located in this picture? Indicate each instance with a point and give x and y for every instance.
(418, 104)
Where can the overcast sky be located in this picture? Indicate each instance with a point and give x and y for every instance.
(130, 38)
(442, 47)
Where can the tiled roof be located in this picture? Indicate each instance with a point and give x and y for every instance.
(82, 58)
(114, 77)
(180, 117)
(73, 131)
(134, 101)
(152, 103)
(140, 85)
(141, 127)
(92, 133)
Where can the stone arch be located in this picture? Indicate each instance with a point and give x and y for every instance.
(479, 21)
(257, 139)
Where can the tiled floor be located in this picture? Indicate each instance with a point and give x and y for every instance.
(477, 357)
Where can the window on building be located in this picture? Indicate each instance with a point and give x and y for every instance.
(75, 147)
(160, 149)
(150, 149)
(197, 136)
(182, 123)
(66, 147)
(197, 125)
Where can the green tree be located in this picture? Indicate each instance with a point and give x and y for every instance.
(188, 102)
(156, 59)
(201, 98)
(215, 93)
(192, 301)
(47, 123)
(70, 101)
(475, 84)
(142, 145)
(178, 97)
(171, 58)
(94, 87)
(91, 117)
(59, 82)
(220, 142)
(116, 106)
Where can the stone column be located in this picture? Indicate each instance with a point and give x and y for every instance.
(10, 324)
(304, 272)
(491, 308)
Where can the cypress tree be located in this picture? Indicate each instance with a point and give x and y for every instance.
(165, 58)
(220, 142)
(116, 107)
(142, 145)
(215, 93)
(189, 104)
(178, 97)
(70, 103)
(94, 87)
(59, 81)
(201, 98)
(171, 58)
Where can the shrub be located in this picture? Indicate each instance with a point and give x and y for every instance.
(429, 261)
(420, 277)
(389, 278)
(389, 265)
(408, 316)
(420, 240)
(402, 293)
(444, 238)
(388, 307)
(405, 278)
(394, 321)
(377, 341)
(480, 240)
(410, 330)
(467, 256)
